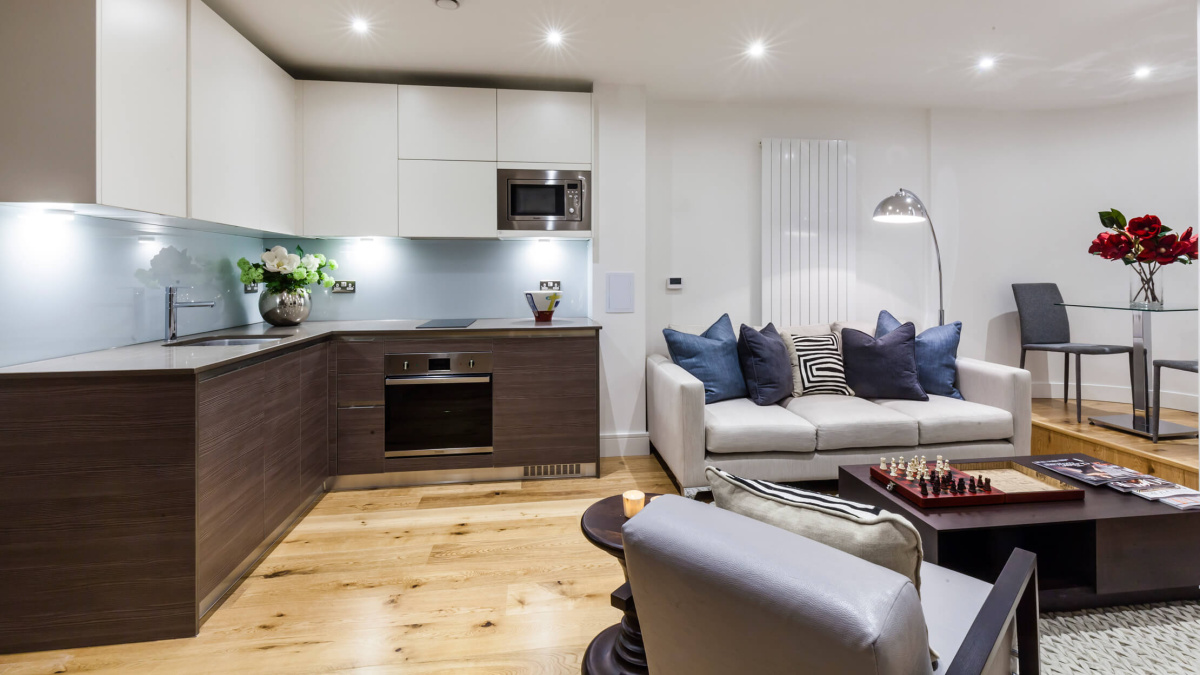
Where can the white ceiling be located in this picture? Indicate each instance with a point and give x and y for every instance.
(1049, 53)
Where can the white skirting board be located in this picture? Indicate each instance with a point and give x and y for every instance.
(625, 444)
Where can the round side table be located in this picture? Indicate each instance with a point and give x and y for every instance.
(618, 649)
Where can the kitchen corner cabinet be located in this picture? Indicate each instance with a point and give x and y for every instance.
(447, 200)
(242, 135)
(543, 126)
(447, 123)
(95, 103)
(349, 159)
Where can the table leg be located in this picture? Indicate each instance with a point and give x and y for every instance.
(618, 649)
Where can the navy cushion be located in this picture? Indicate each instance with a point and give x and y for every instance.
(710, 357)
(883, 367)
(766, 366)
(937, 354)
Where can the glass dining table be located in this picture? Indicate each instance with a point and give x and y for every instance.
(1139, 421)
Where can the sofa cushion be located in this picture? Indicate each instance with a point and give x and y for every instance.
(711, 358)
(738, 425)
(807, 330)
(942, 419)
(862, 530)
(884, 367)
(766, 366)
(864, 326)
(849, 422)
(950, 602)
(817, 367)
(937, 354)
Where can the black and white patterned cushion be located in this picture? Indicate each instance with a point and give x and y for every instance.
(798, 497)
(819, 360)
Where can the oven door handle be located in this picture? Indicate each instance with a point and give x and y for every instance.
(439, 379)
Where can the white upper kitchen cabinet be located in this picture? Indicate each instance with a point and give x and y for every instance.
(350, 186)
(543, 126)
(447, 123)
(94, 109)
(447, 200)
(243, 130)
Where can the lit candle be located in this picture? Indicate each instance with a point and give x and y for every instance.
(633, 500)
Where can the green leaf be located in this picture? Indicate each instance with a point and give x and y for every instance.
(1120, 217)
(299, 251)
(1107, 219)
(1165, 230)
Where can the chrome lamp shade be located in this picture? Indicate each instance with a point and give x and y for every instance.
(906, 207)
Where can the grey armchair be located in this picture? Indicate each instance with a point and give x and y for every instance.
(1045, 328)
(721, 593)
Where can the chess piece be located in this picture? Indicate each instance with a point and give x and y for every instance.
(892, 468)
(883, 464)
(971, 486)
(924, 489)
(937, 488)
(962, 485)
(987, 484)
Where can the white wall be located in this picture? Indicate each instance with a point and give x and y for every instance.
(619, 174)
(1015, 197)
(704, 199)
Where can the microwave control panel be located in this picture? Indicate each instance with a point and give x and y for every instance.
(573, 198)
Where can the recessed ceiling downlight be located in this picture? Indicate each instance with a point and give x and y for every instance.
(1143, 72)
(756, 50)
(554, 37)
(446, 4)
(360, 26)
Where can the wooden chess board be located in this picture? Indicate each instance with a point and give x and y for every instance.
(1011, 483)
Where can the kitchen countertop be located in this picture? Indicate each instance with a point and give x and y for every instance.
(155, 358)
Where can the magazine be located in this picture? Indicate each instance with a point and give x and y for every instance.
(1092, 473)
(1165, 492)
(1184, 502)
(1140, 483)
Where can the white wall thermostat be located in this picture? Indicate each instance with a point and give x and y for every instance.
(674, 283)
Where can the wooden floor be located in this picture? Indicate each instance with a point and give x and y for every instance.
(479, 578)
(1056, 431)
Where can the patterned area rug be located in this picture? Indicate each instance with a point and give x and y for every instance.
(1163, 639)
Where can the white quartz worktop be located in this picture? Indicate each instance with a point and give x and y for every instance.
(156, 358)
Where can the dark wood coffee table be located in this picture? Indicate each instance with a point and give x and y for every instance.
(618, 649)
(1111, 548)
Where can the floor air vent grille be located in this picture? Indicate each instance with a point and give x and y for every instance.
(549, 470)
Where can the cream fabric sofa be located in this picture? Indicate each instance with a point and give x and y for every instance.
(809, 437)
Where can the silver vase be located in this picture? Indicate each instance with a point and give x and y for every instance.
(284, 309)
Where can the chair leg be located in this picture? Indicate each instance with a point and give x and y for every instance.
(1132, 403)
(1066, 378)
(1157, 404)
(1078, 389)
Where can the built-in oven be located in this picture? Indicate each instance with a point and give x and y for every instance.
(438, 404)
(543, 200)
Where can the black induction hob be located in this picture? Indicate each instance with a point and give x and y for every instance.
(447, 323)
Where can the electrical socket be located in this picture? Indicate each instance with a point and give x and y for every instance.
(343, 287)
(550, 286)
(250, 288)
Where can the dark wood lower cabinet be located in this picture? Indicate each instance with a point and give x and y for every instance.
(360, 441)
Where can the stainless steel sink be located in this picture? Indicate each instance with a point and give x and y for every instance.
(231, 341)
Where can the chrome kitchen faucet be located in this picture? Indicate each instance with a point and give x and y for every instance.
(172, 310)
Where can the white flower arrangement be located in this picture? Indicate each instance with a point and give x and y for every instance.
(285, 272)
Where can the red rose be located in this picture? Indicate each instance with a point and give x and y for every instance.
(1189, 242)
(1148, 252)
(1167, 249)
(1111, 246)
(1146, 226)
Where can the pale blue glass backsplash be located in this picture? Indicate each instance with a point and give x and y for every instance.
(446, 279)
(92, 283)
(85, 284)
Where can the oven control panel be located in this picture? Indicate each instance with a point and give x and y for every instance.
(454, 363)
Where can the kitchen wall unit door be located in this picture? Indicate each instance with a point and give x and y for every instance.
(243, 130)
(349, 159)
(447, 123)
(544, 126)
(447, 200)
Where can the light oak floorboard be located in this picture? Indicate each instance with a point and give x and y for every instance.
(478, 578)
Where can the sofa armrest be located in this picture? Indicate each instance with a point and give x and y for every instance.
(1002, 387)
(675, 412)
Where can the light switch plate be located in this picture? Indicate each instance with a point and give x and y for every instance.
(250, 288)
(343, 287)
(549, 285)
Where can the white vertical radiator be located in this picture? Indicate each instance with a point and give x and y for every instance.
(809, 217)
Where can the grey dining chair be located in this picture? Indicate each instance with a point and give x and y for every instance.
(1159, 364)
(1044, 328)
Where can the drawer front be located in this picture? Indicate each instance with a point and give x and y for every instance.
(359, 390)
(360, 440)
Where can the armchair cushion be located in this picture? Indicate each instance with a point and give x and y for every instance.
(711, 357)
(864, 531)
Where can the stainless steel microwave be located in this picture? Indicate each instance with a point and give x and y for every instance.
(543, 200)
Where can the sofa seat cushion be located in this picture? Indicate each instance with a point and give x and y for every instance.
(950, 602)
(738, 425)
(850, 422)
(942, 419)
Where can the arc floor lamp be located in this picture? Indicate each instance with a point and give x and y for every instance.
(906, 207)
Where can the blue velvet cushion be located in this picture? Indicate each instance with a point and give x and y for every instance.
(937, 353)
(766, 366)
(711, 357)
(883, 367)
